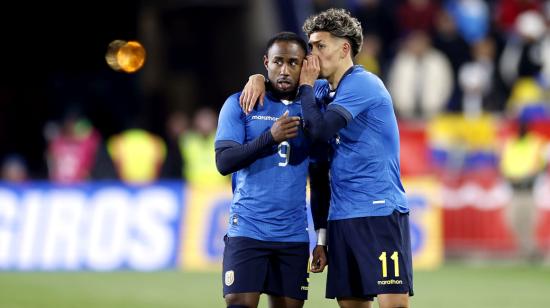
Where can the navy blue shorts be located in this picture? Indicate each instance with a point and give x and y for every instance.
(369, 256)
(274, 268)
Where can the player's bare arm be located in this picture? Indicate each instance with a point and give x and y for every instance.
(253, 92)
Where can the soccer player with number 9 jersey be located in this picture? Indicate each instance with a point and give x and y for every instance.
(267, 243)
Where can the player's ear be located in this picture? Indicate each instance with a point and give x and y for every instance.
(346, 49)
(266, 61)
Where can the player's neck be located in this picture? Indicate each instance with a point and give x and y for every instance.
(287, 96)
(335, 79)
(290, 96)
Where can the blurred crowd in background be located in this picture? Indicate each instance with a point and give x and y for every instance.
(470, 80)
(465, 57)
(76, 152)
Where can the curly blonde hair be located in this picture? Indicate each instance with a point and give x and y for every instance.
(339, 23)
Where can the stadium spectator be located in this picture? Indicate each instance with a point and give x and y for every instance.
(507, 11)
(522, 161)
(379, 17)
(545, 45)
(137, 154)
(522, 55)
(480, 82)
(420, 79)
(471, 17)
(447, 39)
(14, 169)
(527, 101)
(416, 15)
(176, 128)
(369, 56)
(72, 150)
(197, 147)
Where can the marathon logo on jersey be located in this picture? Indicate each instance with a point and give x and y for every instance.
(390, 281)
(90, 227)
(264, 118)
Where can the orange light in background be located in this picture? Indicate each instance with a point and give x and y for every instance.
(125, 56)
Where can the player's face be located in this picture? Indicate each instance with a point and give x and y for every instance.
(284, 63)
(329, 49)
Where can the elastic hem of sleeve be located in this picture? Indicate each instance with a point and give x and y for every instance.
(341, 111)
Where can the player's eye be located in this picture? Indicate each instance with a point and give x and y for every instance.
(320, 46)
(278, 62)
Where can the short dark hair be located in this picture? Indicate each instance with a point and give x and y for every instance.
(339, 23)
(286, 37)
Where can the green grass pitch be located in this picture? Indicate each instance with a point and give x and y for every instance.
(451, 286)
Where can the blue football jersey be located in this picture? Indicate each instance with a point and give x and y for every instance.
(269, 196)
(365, 171)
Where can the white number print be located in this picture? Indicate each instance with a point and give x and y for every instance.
(284, 152)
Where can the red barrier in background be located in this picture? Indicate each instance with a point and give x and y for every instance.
(414, 149)
(474, 213)
(542, 200)
(474, 200)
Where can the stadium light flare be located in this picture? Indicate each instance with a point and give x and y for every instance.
(125, 56)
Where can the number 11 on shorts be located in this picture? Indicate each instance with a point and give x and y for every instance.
(383, 259)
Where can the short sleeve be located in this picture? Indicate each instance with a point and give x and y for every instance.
(351, 98)
(231, 125)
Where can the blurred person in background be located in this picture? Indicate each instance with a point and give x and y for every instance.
(523, 159)
(546, 47)
(197, 147)
(266, 149)
(72, 149)
(480, 82)
(176, 127)
(448, 40)
(523, 53)
(368, 216)
(528, 101)
(420, 78)
(369, 56)
(507, 11)
(471, 17)
(137, 154)
(416, 15)
(14, 169)
(381, 31)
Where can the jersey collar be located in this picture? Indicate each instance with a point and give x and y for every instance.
(347, 72)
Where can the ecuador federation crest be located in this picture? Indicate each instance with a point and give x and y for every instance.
(229, 278)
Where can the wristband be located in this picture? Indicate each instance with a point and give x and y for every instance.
(321, 236)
